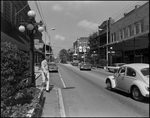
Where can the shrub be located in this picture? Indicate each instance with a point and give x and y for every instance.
(19, 104)
(14, 71)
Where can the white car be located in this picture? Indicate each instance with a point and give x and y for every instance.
(131, 78)
(114, 67)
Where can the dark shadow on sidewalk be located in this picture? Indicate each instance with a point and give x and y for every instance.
(39, 111)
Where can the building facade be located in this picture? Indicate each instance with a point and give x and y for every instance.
(80, 46)
(129, 37)
(12, 13)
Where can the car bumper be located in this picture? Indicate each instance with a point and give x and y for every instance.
(53, 69)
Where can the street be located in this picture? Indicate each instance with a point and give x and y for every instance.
(84, 94)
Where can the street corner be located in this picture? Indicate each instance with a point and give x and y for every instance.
(50, 105)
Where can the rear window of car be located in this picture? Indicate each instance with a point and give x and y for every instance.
(52, 64)
(145, 71)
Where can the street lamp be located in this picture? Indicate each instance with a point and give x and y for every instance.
(32, 26)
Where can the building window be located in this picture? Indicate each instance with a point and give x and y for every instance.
(120, 36)
(11, 15)
(123, 33)
(130, 30)
(136, 28)
(15, 16)
(141, 27)
(114, 36)
(2, 6)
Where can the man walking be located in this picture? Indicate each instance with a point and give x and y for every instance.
(45, 72)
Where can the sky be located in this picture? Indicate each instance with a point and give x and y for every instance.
(74, 19)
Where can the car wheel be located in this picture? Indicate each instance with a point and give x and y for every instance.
(136, 94)
(108, 84)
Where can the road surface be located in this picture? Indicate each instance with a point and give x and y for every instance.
(84, 93)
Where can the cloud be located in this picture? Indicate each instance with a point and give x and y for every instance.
(58, 37)
(88, 25)
(71, 15)
(57, 7)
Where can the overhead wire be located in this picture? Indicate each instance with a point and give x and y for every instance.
(124, 8)
(42, 16)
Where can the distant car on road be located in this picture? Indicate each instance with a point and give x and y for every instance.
(131, 78)
(53, 67)
(75, 63)
(114, 67)
(85, 66)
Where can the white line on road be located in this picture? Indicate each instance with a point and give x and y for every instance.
(62, 80)
(62, 108)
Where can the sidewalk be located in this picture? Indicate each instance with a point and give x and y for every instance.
(50, 101)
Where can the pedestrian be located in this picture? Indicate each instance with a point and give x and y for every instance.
(45, 72)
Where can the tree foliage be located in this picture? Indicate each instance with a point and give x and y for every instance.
(63, 55)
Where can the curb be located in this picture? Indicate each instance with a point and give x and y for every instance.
(32, 111)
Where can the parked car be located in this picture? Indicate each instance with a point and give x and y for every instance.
(114, 67)
(85, 66)
(131, 78)
(75, 63)
(53, 67)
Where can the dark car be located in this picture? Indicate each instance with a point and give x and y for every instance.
(75, 63)
(53, 67)
(85, 66)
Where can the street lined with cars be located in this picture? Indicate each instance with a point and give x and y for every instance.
(85, 94)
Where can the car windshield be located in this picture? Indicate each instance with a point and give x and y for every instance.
(145, 71)
(86, 63)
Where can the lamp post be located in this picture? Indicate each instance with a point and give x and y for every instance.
(32, 26)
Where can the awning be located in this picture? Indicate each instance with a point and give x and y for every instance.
(23, 46)
(144, 34)
(6, 38)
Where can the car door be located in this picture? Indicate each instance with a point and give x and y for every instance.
(120, 77)
(129, 78)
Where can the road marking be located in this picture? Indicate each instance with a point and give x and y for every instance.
(62, 80)
(62, 108)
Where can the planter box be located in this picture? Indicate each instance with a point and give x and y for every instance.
(33, 112)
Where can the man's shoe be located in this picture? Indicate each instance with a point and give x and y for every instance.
(47, 90)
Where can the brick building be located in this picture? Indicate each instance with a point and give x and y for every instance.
(129, 36)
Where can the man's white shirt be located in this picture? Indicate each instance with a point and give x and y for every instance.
(44, 65)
